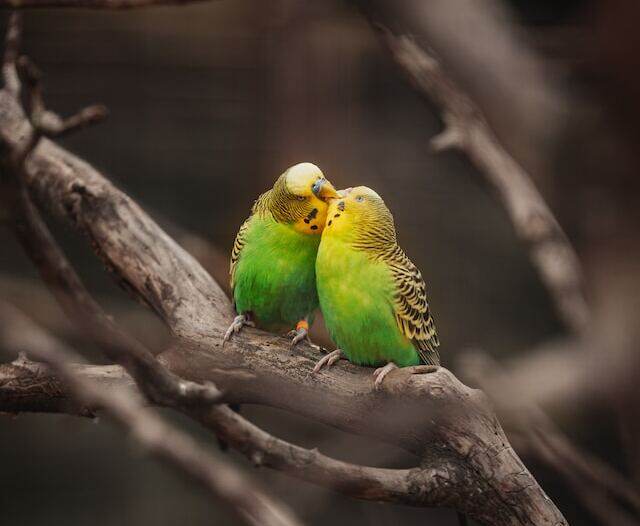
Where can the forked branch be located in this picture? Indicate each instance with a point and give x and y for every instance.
(466, 461)
(215, 473)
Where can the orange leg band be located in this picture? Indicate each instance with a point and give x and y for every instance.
(302, 324)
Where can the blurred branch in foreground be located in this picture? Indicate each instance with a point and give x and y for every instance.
(466, 461)
(28, 386)
(79, 389)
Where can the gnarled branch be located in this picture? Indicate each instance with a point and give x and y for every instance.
(467, 461)
(598, 485)
(82, 386)
(220, 477)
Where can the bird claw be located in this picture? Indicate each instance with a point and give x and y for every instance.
(380, 373)
(328, 360)
(238, 322)
(298, 335)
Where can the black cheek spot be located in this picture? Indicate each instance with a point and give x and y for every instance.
(330, 221)
(313, 213)
(314, 227)
(337, 215)
(306, 220)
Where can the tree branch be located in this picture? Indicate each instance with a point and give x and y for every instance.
(28, 386)
(217, 475)
(466, 460)
(594, 482)
(466, 129)
(56, 270)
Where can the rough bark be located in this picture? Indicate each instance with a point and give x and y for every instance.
(467, 462)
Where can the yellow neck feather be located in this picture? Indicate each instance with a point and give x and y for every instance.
(314, 222)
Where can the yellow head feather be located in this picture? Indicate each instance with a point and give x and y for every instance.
(360, 216)
(292, 199)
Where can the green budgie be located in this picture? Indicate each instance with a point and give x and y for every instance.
(273, 259)
(372, 297)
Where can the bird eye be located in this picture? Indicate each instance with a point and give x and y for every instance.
(300, 197)
(360, 198)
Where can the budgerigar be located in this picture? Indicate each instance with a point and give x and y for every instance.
(273, 260)
(372, 297)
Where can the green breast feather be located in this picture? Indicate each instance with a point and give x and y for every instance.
(360, 298)
(273, 273)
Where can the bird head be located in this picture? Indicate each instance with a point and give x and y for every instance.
(360, 212)
(300, 197)
(306, 180)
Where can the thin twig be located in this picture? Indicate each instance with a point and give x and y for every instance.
(45, 123)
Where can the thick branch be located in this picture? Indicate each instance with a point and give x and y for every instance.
(217, 475)
(433, 412)
(467, 461)
(27, 386)
(56, 270)
(594, 482)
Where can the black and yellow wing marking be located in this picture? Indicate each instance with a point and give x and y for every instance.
(261, 208)
(238, 245)
(412, 308)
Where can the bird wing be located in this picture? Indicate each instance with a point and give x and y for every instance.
(238, 245)
(411, 307)
(259, 209)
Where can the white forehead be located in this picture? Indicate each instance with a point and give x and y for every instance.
(301, 176)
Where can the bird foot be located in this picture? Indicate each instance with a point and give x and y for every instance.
(328, 360)
(301, 332)
(381, 372)
(238, 322)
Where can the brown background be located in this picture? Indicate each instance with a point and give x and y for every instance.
(209, 103)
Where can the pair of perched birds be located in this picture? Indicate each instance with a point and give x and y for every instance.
(307, 245)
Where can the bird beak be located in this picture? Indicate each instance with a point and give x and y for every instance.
(324, 190)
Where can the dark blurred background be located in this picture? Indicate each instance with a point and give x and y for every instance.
(209, 103)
